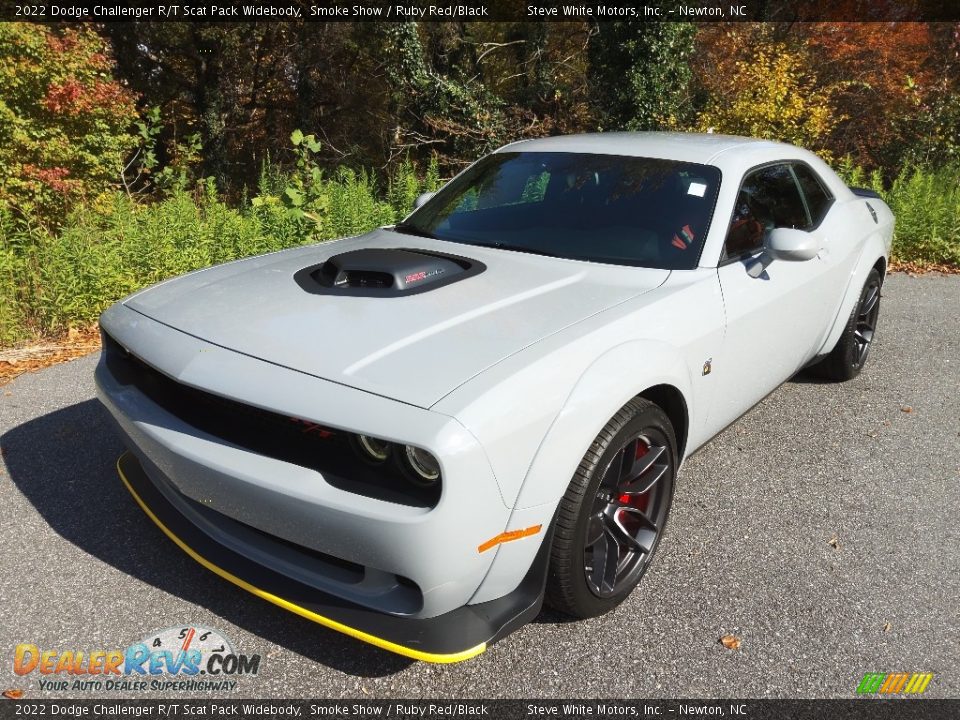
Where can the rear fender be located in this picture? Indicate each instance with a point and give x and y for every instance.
(875, 248)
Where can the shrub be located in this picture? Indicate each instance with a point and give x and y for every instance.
(51, 280)
(927, 206)
(926, 203)
(64, 121)
(13, 316)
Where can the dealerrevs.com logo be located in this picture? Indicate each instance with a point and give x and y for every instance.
(186, 658)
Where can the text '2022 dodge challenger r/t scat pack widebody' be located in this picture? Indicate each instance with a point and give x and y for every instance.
(417, 435)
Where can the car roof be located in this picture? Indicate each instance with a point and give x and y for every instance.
(686, 147)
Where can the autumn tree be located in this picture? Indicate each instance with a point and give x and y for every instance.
(887, 81)
(64, 120)
(760, 86)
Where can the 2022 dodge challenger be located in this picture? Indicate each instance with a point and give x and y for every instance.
(415, 435)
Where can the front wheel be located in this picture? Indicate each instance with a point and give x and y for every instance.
(613, 513)
(847, 359)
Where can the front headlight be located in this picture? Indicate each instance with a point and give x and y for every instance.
(416, 465)
(372, 450)
(419, 466)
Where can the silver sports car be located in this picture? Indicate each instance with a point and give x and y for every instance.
(416, 435)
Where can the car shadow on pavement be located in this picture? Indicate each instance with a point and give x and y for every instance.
(64, 463)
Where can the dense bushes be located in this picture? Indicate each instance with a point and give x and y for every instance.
(52, 280)
(926, 204)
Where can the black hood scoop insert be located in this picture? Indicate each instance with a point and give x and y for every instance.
(385, 272)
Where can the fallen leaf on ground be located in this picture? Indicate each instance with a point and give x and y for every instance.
(834, 542)
(912, 269)
(13, 694)
(906, 409)
(731, 642)
(29, 358)
(887, 627)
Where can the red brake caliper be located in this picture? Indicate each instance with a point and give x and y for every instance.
(643, 500)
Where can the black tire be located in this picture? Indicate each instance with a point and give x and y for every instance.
(848, 357)
(603, 505)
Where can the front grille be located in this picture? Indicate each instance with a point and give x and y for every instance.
(384, 591)
(266, 433)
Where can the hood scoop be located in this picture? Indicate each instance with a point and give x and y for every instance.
(385, 272)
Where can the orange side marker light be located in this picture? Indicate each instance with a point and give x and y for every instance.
(509, 536)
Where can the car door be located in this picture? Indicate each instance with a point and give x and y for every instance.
(776, 310)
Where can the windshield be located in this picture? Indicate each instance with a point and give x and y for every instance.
(602, 208)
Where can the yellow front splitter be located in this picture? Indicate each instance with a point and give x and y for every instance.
(456, 636)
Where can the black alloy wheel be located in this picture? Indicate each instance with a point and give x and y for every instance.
(629, 512)
(612, 516)
(867, 315)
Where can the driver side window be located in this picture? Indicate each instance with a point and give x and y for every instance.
(768, 198)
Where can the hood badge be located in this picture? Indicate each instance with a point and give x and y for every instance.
(422, 275)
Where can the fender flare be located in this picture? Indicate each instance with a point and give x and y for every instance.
(874, 250)
(608, 384)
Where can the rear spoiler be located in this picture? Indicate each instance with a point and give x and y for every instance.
(865, 193)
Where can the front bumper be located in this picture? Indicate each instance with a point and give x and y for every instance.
(452, 637)
(366, 563)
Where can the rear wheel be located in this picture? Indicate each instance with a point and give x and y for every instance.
(847, 359)
(613, 513)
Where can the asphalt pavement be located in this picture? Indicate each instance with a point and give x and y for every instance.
(821, 529)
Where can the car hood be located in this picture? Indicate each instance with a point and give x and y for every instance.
(415, 349)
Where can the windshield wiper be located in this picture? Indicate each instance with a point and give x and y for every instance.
(408, 229)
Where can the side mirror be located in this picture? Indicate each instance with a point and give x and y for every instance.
(421, 199)
(790, 244)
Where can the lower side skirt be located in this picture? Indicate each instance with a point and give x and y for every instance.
(455, 636)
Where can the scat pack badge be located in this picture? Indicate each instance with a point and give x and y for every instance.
(187, 658)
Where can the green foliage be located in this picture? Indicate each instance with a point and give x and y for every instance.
(452, 108)
(405, 185)
(926, 204)
(176, 173)
(639, 72)
(64, 121)
(13, 315)
(346, 202)
(51, 280)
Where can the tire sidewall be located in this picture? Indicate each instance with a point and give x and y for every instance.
(647, 418)
(850, 343)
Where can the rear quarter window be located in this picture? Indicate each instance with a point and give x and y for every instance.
(817, 198)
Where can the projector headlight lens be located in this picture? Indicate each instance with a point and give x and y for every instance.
(425, 470)
(373, 449)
